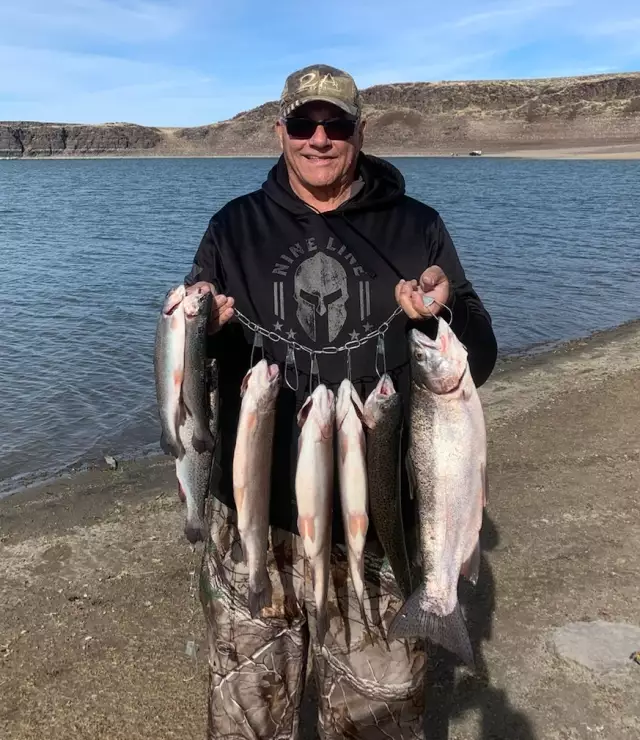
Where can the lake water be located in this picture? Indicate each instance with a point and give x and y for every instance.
(89, 247)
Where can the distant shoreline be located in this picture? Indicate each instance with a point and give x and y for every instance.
(612, 151)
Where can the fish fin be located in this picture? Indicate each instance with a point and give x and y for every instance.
(169, 448)
(181, 494)
(367, 626)
(258, 600)
(471, 568)
(415, 620)
(411, 474)
(202, 440)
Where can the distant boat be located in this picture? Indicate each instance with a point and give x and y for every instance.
(476, 153)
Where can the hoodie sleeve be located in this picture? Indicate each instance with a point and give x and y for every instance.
(206, 264)
(471, 321)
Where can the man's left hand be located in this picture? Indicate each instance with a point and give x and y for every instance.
(410, 294)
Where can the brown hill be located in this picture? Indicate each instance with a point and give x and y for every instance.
(406, 118)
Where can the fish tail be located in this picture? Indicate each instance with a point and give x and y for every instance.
(260, 595)
(170, 446)
(417, 619)
(195, 530)
(357, 577)
(202, 440)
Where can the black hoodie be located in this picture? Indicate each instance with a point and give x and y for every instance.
(323, 279)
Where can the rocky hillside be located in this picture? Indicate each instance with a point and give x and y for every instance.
(406, 118)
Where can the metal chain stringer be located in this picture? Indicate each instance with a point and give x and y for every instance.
(330, 350)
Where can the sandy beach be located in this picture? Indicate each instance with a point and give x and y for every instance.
(613, 151)
(97, 596)
(568, 150)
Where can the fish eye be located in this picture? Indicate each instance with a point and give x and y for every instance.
(419, 355)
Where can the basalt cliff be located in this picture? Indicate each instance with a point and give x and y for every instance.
(404, 118)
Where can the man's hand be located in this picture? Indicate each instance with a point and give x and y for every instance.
(410, 294)
(221, 308)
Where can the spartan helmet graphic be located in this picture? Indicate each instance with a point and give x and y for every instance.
(320, 285)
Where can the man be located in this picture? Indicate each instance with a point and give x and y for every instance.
(321, 255)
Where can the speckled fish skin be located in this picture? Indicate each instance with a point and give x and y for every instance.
(168, 363)
(197, 309)
(383, 418)
(314, 493)
(352, 475)
(447, 464)
(193, 469)
(252, 476)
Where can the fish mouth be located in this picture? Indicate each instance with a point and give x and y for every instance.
(195, 303)
(386, 388)
(449, 387)
(173, 299)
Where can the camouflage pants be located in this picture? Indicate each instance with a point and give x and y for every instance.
(367, 688)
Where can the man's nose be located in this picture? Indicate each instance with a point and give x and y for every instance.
(320, 139)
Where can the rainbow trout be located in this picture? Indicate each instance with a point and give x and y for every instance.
(446, 464)
(383, 414)
(168, 361)
(252, 476)
(314, 493)
(193, 468)
(197, 309)
(352, 475)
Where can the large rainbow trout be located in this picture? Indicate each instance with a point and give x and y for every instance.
(446, 464)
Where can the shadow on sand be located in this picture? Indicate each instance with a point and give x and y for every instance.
(446, 700)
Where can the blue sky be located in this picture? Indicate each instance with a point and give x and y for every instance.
(191, 62)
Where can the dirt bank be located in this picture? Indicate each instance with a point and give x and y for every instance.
(96, 609)
(416, 118)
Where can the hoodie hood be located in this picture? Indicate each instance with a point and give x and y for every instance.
(383, 186)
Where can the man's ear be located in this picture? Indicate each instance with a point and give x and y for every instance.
(361, 128)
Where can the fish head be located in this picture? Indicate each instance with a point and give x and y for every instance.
(173, 299)
(437, 364)
(197, 303)
(318, 411)
(381, 398)
(346, 400)
(263, 382)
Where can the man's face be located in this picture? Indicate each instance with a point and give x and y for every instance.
(319, 161)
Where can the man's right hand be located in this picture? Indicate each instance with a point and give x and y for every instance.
(221, 308)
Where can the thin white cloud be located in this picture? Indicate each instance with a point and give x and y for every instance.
(506, 16)
(124, 20)
(97, 88)
(190, 62)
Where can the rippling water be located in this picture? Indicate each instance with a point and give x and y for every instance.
(89, 247)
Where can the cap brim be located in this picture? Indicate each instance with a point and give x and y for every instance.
(352, 110)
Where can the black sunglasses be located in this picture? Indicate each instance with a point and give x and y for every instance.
(339, 129)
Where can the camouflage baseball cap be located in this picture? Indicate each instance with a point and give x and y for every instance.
(320, 82)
